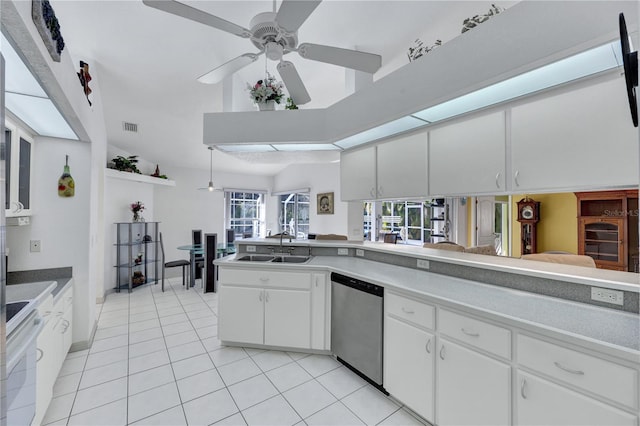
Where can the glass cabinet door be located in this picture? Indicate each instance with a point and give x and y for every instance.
(603, 240)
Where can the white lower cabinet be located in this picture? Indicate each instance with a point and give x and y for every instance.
(285, 310)
(241, 315)
(409, 365)
(472, 389)
(541, 402)
(287, 318)
(53, 345)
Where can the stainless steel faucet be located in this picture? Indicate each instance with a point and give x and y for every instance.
(282, 235)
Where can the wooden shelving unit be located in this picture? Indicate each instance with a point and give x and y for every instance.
(608, 228)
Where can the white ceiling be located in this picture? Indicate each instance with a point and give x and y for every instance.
(146, 63)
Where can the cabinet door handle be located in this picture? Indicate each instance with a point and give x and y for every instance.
(407, 311)
(442, 353)
(427, 347)
(266, 294)
(40, 354)
(515, 178)
(372, 192)
(380, 190)
(468, 333)
(568, 370)
(264, 279)
(522, 391)
(497, 180)
(260, 297)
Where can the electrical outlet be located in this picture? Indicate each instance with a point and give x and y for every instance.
(343, 252)
(35, 246)
(423, 264)
(251, 249)
(607, 295)
(359, 252)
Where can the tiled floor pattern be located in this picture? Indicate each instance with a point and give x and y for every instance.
(156, 360)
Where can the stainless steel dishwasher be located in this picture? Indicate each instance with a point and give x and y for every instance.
(356, 326)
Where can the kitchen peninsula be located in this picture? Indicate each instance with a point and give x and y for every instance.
(523, 337)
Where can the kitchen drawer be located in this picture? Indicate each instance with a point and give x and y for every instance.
(605, 378)
(45, 308)
(262, 278)
(410, 310)
(480, 334)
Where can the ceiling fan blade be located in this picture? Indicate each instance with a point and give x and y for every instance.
(297, 92)
(188, 12)
(228, 68)
(361, 61)
(293, 13)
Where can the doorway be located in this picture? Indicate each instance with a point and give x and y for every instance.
(492, 223)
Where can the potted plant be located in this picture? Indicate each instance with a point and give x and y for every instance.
(126, 164)
(266, 93)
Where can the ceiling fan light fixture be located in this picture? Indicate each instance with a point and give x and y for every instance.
(274, 51)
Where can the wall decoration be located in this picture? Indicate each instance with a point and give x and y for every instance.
(325, 203)
(48, 26)
(85, 78)
(66, 185)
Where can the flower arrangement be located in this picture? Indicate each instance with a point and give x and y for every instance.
(266, 90)
(137, 208)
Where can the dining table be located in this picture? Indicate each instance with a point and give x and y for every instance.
(194, 250)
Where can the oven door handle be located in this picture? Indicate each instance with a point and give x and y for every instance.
(17, 353)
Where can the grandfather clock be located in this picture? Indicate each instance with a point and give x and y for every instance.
(528, 216)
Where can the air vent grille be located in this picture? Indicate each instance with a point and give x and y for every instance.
(129, 127)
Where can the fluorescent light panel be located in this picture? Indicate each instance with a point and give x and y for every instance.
(581, 65)
(245, 148)
(26, 98)
(305, 147)
(391, 128)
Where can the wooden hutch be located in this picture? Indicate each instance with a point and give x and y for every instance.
(608, 228)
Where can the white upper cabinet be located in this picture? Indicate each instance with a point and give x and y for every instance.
(389, 170)
(577, 139)
(468, 157)
(402, 167)
(358, 174)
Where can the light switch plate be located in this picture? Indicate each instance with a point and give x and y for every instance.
(359, 252)
(251, 249)
(343, 252)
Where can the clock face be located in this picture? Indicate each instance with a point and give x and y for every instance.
(527, 212)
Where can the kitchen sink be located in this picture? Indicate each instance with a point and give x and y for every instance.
(256, 258)
(292, 259)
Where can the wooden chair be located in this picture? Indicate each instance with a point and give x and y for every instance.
(185, 264)
(390, 238)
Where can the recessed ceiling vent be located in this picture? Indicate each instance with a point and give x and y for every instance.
(129, 127)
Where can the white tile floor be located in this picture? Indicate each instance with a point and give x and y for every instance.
(156, 360)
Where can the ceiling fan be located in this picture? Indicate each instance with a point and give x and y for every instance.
(210, 187)
(275, 34)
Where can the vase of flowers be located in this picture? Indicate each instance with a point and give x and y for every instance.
(266, 93)
(136, 209)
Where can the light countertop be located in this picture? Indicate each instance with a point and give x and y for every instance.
(606, 330)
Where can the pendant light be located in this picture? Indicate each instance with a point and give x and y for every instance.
(210, 187)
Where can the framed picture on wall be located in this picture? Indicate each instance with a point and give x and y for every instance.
(325, 203)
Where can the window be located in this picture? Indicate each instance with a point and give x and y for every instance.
(409, 219)
(294, 214)
(245, 213)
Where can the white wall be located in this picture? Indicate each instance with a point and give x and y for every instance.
(71, 230)
(319, 178)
